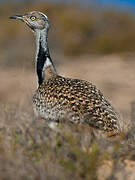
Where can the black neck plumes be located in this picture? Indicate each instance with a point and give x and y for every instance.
(43, 59)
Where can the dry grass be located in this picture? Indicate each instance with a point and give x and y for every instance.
(30, 150)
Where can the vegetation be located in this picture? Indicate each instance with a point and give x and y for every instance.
(30, 150)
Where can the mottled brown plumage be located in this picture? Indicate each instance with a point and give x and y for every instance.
(77, 101)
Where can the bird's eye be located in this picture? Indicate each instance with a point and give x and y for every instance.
(33, 18)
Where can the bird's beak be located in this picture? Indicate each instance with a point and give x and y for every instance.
(17, 17)
(22, 18)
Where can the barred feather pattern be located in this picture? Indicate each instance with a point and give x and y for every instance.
(76, 100)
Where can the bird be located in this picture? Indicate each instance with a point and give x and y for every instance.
(59, 98)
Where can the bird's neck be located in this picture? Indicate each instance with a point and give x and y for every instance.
(43, 59)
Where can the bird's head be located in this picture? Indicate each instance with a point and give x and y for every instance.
(35, 20)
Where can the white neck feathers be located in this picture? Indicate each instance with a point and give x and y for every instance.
(43, 59)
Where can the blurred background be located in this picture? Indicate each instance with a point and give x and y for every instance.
(92, 40)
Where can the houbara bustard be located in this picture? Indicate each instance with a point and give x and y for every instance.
(58, 98)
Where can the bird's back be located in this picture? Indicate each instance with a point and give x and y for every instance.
(76, 100)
